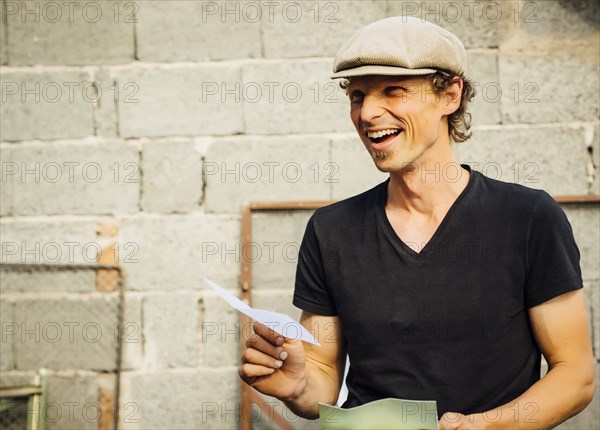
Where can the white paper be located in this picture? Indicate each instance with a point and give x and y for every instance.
(280, 323)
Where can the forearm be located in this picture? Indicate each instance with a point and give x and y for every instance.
(318, 387)
(563, 392)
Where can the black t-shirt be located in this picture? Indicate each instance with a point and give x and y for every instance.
(449, 323)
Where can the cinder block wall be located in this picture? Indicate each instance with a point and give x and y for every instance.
(140, 129)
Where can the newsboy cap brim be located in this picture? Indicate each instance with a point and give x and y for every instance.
(381, 70)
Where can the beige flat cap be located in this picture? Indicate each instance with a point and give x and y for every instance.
(402, 46)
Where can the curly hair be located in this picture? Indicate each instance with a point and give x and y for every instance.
(459, 122)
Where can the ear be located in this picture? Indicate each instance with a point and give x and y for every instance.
(453, 95)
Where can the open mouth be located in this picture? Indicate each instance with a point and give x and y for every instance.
(383, 136)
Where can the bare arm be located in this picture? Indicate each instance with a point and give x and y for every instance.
(307, 375)
(561, 329)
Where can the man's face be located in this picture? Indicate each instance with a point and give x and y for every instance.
(399, 119)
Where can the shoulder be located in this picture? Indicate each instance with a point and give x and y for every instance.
(513, 199)
(347, 212)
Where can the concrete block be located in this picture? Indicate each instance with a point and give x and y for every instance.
(317, 28)
(476, 24)
(221, 332)
(278, 301)
(73, 402)
(46, 105)
(592, 294)
(180, 100)
(165, 315)
(196, 246)
(105, 108)
(182, 399)
(558, 18)
(590, 417)
(534, 90)
(293, 97)
(550, 158)
(355, 169)
(585, 221)
(198, 31)
(74, 178)
(483, 71)
(78, 33)
(172, 177)
(46, 279)
(33, 241)
(240, 170)
(276, 239)
(17, 378)
(7, 345)
(73, 333)
(3, 47)
(5, 180)
(132, 335)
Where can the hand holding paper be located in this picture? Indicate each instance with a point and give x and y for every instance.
(280, 323)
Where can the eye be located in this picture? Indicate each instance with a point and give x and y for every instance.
(356, 96)
(394, 90)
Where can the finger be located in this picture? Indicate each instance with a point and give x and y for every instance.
(261, 344)
(248, 371)
(254, 356)
(271, 336)
(246, 379)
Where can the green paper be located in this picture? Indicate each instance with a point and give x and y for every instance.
(383, 414)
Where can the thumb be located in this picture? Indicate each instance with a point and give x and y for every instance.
(450, 421)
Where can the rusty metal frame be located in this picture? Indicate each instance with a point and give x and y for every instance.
(247, 394)
(578, 199)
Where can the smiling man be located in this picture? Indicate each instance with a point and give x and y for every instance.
(439, 284)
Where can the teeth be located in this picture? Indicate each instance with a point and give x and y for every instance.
(381, 133)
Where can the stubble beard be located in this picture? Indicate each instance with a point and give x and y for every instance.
(382, 155)
(381, 159)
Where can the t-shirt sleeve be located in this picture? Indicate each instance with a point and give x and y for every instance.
(553, 256)
(310, 292)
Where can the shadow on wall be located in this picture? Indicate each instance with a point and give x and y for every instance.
(588, 10)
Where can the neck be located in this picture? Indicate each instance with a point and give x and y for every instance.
(427, 186)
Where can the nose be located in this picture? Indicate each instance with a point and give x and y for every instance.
(371, 108)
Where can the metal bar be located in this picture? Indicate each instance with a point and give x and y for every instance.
(583, 198)
(28, 267)
(247, 393)
(245, 389)
(119, 364)
(19, 392)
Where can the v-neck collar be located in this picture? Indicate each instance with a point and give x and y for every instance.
(389, 231)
